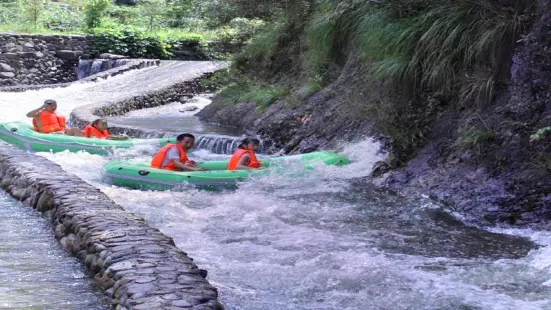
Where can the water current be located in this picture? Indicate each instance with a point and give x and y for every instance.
(35, 273)
(328, 240)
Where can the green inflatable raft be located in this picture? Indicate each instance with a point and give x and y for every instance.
(142, 176)
(23, 136)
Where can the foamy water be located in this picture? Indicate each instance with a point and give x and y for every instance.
(325, 241)
(320, 242)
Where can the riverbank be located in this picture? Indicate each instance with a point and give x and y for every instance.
(323, 241)
(136, 265)
(471, 150)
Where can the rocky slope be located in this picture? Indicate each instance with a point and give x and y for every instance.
(479, 160)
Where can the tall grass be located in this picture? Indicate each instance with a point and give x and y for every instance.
(438, 46)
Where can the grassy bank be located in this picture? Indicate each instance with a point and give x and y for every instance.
(145, 28)
(428, 56)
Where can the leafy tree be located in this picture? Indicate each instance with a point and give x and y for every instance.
(33, 9)
(152, 9)
(94, 11)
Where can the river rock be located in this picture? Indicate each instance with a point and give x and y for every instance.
(5, 67)
(112, 56)
(68, 55)
(189, 109)
(10, 55)
(181, 303)
(7, 75)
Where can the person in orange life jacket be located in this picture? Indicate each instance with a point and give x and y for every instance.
(244, 157)
(98, 130)
(174, 157)
(45, 120)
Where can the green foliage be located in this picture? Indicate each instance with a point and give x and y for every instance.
(437, 46)
(33, 10)
(130, 42)
(313, 86)
(137, 43)
(124, 15)
(152, 10)
(240, 88)
(320, 34)
(259, 52)
(62, 17)
(475, 139)
(94, 12)
(264, 95)
(239, 30)
(404, 127)
(541, 134)
(9, 12)
(179, 11)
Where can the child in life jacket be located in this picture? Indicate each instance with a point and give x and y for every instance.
(244, 157)
(45, 120)
(98, 130)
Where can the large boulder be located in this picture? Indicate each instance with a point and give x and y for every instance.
(68, 55)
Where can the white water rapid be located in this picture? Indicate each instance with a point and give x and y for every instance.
(326, 241)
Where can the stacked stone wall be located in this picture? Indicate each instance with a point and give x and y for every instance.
(138, 266)
(132, 65)
(40, 59)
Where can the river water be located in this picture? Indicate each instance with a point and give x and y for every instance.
(330, 240)
(35, 273)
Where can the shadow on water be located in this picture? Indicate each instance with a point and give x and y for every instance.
(402, 225)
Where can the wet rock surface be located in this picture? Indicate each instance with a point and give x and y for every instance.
(506, 180)
(136, 265)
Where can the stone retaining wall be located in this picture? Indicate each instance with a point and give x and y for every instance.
(136, 265)
(132, 65)
(40, 59)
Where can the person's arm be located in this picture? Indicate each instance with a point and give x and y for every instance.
(34, 113)
(185, 167)
(243, 162)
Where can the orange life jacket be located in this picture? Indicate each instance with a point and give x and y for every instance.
(92, 132)
(46, 122)
(236, 157)
(161, 154)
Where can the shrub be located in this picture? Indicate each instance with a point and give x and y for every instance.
(436, 47)
(94, 12)
(62, 17)
(152, 10)
(475, 139)
(33, 10)
(124, 14)
(130, 42)
(541, 134)
(137, 43)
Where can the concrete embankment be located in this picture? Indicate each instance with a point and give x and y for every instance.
(136, 265)
(181, 87)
